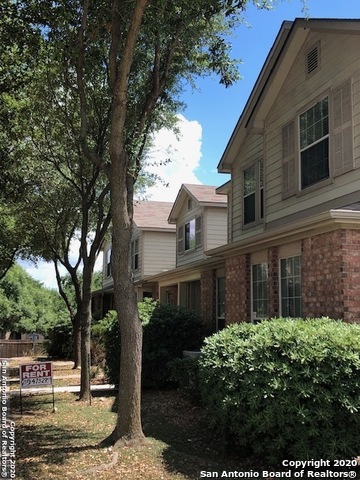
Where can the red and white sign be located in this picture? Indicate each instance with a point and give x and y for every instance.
(39, 374)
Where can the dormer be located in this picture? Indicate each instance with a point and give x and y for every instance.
(200, 216)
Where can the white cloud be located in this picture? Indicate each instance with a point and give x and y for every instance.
(183, 151)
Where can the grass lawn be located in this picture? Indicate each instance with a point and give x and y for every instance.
(63, 445)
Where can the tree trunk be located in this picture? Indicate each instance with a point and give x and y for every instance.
(86, 316)
(77, 340)
(128, 426)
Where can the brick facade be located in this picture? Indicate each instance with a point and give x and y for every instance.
(321, 272)
(351, 275)
(330, 275)
(238, 293)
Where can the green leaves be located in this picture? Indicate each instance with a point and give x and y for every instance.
(26, 306)
(290, 388)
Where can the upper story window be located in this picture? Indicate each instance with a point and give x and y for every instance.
(253, 193)
(108, 263)
(190, 235)
(135, 254)
(324, 144)
(314, 143)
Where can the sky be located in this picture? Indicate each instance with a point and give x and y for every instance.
(212, 111)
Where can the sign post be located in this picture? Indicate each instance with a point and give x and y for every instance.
(39, 374)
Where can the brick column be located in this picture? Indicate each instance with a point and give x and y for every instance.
(350, 275)
(238, 289)
(322, 273)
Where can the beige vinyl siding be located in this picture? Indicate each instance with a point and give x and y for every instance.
(297, 94)
(216, 227)
(251, 151)
(158, 252)
(229, 215)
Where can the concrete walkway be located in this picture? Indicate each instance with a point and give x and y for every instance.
(71, 389)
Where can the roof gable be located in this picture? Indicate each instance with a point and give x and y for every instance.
(291, 38)
(202, 195)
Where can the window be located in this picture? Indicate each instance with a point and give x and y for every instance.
(290, 273)
(108, 263)
(314, 143)
(220, 303)
(190, 235)
(135, 254)
(253, 193)
(319, 143)
(260, 290)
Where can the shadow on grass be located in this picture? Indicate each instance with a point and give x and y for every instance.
(37, 445)
(192, 448)
(42, 441)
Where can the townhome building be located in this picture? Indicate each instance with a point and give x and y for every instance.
(197, 282)
(293, 246)
(168, 257)
(153, 250)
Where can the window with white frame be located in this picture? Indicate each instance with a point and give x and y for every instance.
(253, 193)
(135, 254)
(290, 287)
(314, 143)
(259, 290)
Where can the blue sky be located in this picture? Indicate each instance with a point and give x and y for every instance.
(217, 109)
(212, 111)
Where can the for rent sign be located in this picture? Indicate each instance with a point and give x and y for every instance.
(37, 374)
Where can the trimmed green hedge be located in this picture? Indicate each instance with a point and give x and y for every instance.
(285, 388)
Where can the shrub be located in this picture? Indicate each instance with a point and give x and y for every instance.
(60, 341)
(108, 332)
(102, 331)
(185, 373)
(285, 388)
(167, 331)
(170, 331)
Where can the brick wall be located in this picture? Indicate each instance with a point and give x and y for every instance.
(321, 271)
(208, 299)
(350, 273)
(238, 293)
(330, 279)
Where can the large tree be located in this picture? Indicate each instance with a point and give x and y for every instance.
(143, 50)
